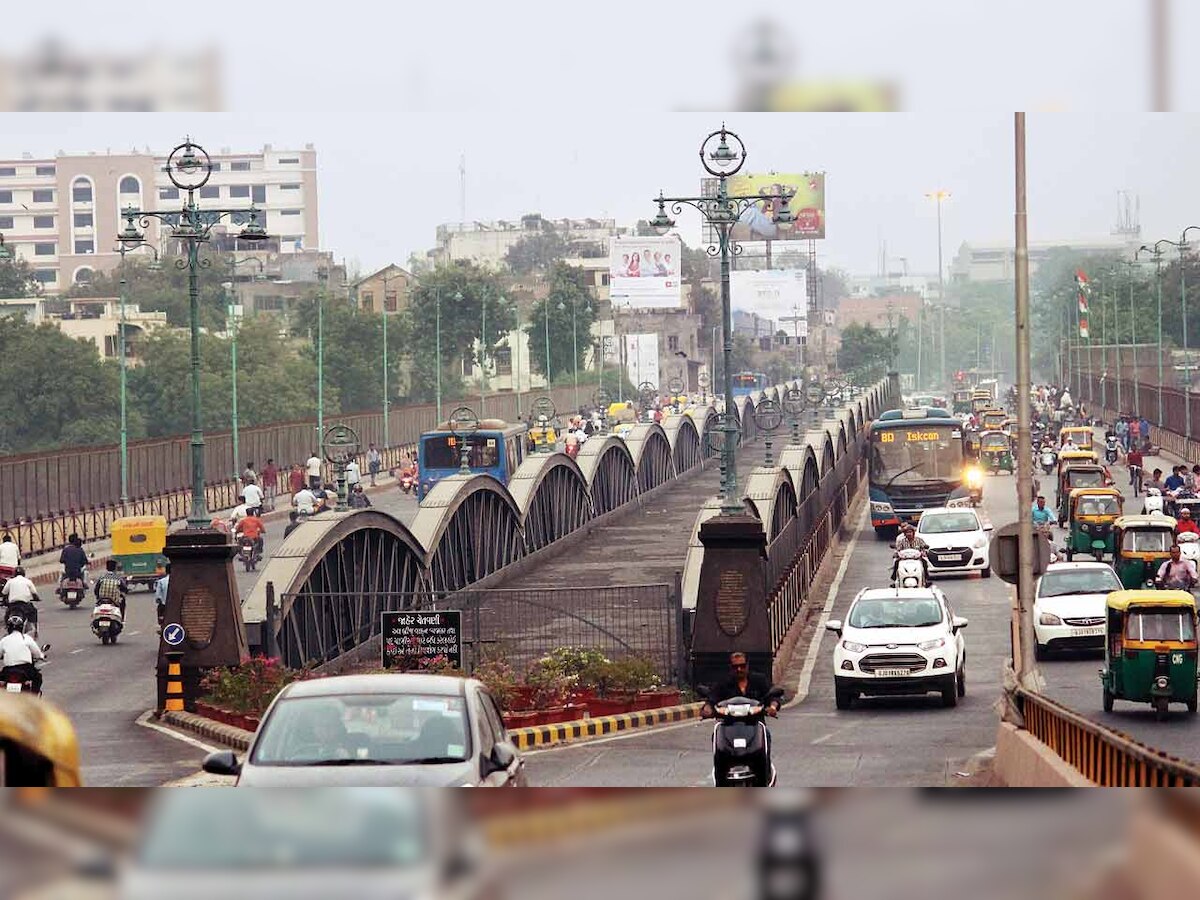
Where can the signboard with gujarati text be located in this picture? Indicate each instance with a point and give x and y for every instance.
(412, 637)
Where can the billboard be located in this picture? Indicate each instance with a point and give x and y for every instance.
(641, 359)
(644, 272)
(778, 294)
(806, 194)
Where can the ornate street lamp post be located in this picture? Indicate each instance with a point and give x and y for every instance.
(722, 154)
(124, 363)
(1156, 252)
(189, 168)
(232, 324)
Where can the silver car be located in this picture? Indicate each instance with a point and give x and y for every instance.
(378, 730)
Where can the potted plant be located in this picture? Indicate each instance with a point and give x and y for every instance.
(239, 695)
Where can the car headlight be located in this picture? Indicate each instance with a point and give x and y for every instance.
(979, 543)
(1049, 619)
(854, 646)
(878, 506)
(957, 502)
(974, 477)
(932, 645)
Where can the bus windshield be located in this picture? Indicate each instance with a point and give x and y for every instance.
(443, 451)
(915, 453)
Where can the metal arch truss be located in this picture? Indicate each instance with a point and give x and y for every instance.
(686, 453)
(482, 536)
(559, 506)
(655, 465)
(615, 480)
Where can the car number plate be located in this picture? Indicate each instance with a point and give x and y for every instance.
(892, 673)
(1087, 632)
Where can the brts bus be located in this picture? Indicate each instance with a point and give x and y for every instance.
(495, 449)
(745, 383)
(917, 461)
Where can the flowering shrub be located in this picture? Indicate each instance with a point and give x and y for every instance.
(631, 673)
(250, 688)
(500, 680)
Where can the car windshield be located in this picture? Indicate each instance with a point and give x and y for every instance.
(444, 451)
(1098, 506)
(1157, 540)
(1079, 581)
(911, 454)
(995, 442)
(1160, 625)
(1078, 479)
(896, 612)
(948, 523)
(364, 729)
(285, 828)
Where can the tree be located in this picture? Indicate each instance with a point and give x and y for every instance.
(865, 351)
(164, 289)
(570, 307)
(461, 321)
(16, 279)
(537, 251)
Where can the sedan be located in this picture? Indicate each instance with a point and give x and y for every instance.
(958, 542)
(1069, 606)
(378, 730)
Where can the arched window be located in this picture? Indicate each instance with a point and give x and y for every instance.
(81, 190)
(130, 185)
(83, 275)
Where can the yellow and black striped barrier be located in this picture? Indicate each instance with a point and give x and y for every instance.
(174, 689)
(601, 726)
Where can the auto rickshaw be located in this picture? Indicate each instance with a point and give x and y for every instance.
(993, 419)
(962, 402)
(1081, 436)
(1143, 544)
(1082, 474)
(995, 451)
(1150, 649)
(137, 544)
(38, 746)
(543, 436)
(971, 442)
(1092, 514)
(980, 400)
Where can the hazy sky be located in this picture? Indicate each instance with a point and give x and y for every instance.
(384, 189)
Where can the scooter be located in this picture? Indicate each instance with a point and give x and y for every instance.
(1049, 460)
(1189, 546)
(72, 591)
(741, 754)
(909, 571)
(1110, 451)
(248, 553)
(408, 481)
(16, 682)
(107, 622)
(1153, 504)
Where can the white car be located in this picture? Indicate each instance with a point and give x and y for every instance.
(1069, 606)
(899, 641)
(958, 541)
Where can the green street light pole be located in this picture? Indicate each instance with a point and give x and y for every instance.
(1187, 369)
(575, 347)
(121, 328)
(483, 355)
(323, 278)
(189, 168)
(723, 212)
(516, 354)
(1137, 390)
(232, 326)
(1157, 254)
(549, 375)
(387, 434)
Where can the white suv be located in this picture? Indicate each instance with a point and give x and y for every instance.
(958, 541)
(899, 641)
(1069, 606)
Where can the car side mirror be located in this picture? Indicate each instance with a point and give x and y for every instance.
(501, 757)
(989, 527)
(222, 762)
(834, 625)
(958, 622)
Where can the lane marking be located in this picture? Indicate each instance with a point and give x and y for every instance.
(144, 721)
(79, 650)
(133, 633)
(810, 661)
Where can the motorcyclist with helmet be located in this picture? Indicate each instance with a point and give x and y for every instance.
(908, 540)
(18, 652)
(18, 595)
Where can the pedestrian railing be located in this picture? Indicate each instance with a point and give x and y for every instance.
(1103, 755)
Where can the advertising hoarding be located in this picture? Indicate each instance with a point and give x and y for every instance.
(641, 359)
(806, 192)
(778, 294)
(644, 272)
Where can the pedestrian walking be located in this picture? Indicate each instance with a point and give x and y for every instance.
(249, 476)
(353, 476)
(374, 463)
(314, 472)
(270, 482)
(296, 481)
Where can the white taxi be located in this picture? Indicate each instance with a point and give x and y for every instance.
(958, 541)
(1069, 606)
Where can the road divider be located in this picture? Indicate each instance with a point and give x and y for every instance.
(601, 726)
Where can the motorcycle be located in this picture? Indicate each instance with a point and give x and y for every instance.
(1189, 546)
(72, 591)
(1049, 460)
(741, 752)
(248, 553)
(18, 682)
(1153, 504)
(910, 573)
(107, 621)
(1110, 451)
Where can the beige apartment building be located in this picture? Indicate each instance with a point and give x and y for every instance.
(95, 319)
(387, 289)
(63, 213)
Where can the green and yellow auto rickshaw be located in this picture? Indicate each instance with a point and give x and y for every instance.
(1093, 513)
(980, 400)
(1150, 649)
(1074, 474)
(1079, 435)
(137, 544)
(993, 419)
(1143, 544)
(995, 451)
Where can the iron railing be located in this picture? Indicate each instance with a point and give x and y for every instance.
(516, 625)
(1104, 756)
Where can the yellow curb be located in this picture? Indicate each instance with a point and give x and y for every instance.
(601, 726)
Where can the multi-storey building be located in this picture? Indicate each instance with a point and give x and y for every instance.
(487, 243)
(62, 213)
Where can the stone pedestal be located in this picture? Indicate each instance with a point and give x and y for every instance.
(731, 604)
(202, 596)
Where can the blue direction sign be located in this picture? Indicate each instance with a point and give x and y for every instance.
(174, 634)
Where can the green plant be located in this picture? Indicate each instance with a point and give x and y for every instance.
(500, 680)
(575, 660)
(549, 685)
(250, 687)
(634, 673)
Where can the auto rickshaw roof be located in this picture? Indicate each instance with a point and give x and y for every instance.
(1138, 520)
(1068, 455)
(42, 728)
(1123, 600)
(137, 523)
(1096, 492)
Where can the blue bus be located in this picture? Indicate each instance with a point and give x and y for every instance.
(918, 460)
(496, 449)
(748, 382)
